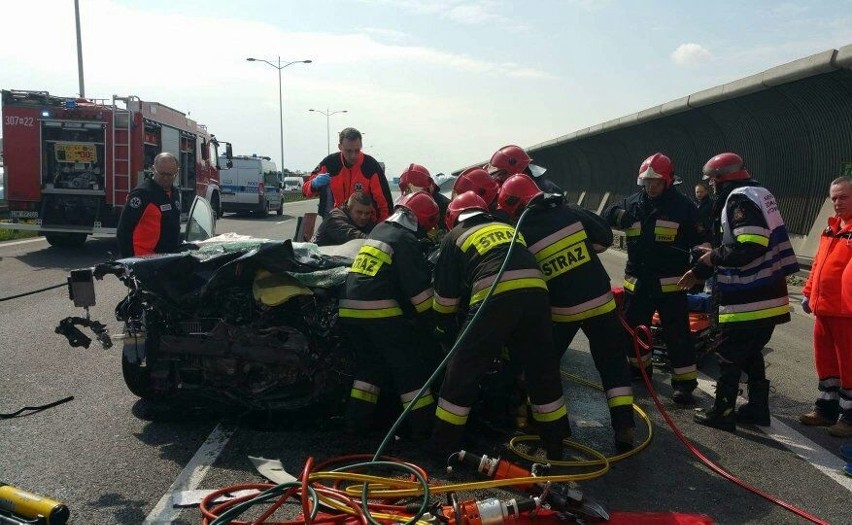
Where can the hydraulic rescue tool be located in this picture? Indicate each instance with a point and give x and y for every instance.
(18, 506)
(564, 498)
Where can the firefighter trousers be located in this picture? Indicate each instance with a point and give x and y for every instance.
(739, 350)
(674, 316)
(519, 321)
(604, 335)
(388, 347)
(833, 359)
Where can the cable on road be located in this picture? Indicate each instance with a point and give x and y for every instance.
(32, 292)
(642, 338)
(36, 408)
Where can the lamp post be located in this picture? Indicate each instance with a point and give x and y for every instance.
(279, 67)
(328, 114)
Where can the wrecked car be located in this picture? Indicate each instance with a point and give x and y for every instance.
(235, 320)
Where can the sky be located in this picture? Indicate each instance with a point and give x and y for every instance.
(442, 83)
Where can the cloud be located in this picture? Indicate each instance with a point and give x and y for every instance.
(464, 12)
(690, 55)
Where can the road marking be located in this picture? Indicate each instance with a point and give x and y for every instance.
(164, 512)
(14, 243)
(818, 457)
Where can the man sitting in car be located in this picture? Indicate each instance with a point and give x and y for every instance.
(353, 220)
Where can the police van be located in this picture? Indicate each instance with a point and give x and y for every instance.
(252, 184)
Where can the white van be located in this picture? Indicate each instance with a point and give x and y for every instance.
(252, 184)
(293, 184)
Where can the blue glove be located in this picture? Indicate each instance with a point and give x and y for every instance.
(320, 181)
(806, 307)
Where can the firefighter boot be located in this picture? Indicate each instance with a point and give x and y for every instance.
(824, 414)
(551, 434)
(722, 414)
(756, 411)
(682, 392)
(622, 424)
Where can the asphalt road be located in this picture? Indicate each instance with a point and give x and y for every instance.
(112, 460)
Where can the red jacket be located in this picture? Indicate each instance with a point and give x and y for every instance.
(829, 287)
(366, 175)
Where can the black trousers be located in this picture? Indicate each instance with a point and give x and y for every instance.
(390, 350)
(519, 321)
(639, 309)
(740, 350)
(605, 343)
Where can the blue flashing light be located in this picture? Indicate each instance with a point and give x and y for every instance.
(70, 103)
(45, 113)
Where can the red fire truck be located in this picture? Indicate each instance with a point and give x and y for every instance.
(70, 163)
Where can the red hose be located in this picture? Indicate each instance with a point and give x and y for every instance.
(642, 332)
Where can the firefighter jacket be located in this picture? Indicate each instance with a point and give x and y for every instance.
(150, 221)
(389, 277)
(752, 257)
(560, 237)
(366, 175)
(338, 228)
(470, 258)
(660, 234)
(829, 286)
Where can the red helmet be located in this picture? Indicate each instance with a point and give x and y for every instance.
(657, 166)
(467, 201)
(725, 167)
(516, 193)
(423, 206)
(511, 159)
(478, 181)
(417, 175)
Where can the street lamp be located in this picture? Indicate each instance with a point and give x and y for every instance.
(279, 67)
(328, 114)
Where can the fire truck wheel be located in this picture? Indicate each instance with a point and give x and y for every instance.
(280, 210)
(66, 240)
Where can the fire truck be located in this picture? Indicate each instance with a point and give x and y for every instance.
(70, 162)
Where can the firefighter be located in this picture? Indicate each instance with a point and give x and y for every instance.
(346, 172)
(513, 160)
(418, 178)
(150, 220)
(516, 317)
(387, 309)
(752, 257)
(478, 181)
(662, 227)
(565, 240)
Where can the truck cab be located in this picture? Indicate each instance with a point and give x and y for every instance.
(251, 185)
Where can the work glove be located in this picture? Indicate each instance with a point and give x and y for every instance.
(806, 306)
(320, 181)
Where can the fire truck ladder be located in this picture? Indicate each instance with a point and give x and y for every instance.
(122, 120)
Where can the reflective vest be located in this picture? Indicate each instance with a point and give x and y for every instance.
(757, 291)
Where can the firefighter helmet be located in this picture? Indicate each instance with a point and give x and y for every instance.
(725, 167)
(478, 181)
(516, 194)
(417, 175)
(657, 166)
(423, 207)
(509, 159)
(466, 202)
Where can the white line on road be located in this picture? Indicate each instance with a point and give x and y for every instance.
(819, 458)
(164, 512)
(13, 243)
